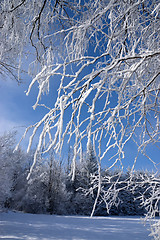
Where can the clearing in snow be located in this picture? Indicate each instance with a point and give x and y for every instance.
(46, 227)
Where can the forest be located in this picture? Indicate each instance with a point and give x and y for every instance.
(51, 190)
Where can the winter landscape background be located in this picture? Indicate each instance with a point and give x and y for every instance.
(51, 191)
(79, 118)
(50, 188)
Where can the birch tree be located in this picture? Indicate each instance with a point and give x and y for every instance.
(105, 57)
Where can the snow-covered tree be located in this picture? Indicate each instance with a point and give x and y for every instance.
(83, 188)
(6, 170)
(105, 55)
(45, 190)
(89, 176)
(12, 165)
(57, 195)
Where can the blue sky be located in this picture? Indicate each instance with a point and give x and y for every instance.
(16, 113)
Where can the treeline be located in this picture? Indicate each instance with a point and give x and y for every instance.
(50, 188)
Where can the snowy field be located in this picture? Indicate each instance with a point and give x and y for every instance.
(46, 227)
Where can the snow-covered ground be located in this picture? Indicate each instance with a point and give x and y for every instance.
(45, 227)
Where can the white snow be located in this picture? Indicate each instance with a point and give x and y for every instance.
(46, 227)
